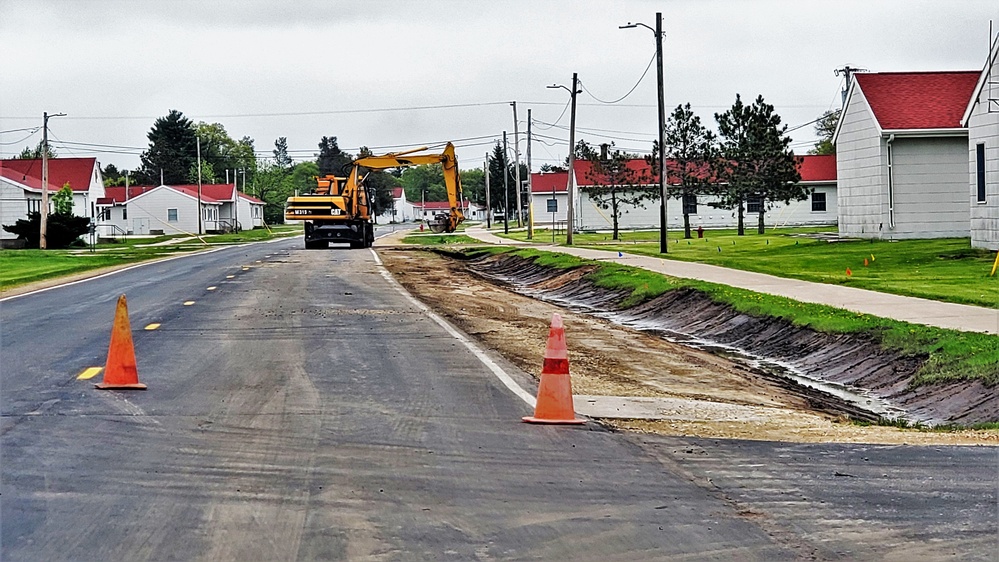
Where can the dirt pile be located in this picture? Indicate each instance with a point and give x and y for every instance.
(858, 362)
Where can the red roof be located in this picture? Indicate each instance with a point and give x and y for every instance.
(547, 182)
(644, 172)
(192, 190)
(78, 172)
(918, 100)
(817, 167)
(116, 194)
(219, 191)
(397, 193)
(251, 198)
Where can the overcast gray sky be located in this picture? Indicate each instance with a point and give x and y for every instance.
(309, 68)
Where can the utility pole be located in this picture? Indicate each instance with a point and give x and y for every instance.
(847, 71)
(530, 183)
(489, 210)
(570, 188)
(506, 190)
(44, 211)
(516, 158)
(235, 199)
(658, 31)
(663, 236)
(200, 231)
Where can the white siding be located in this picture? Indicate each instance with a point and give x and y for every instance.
(798, 213)
(539, 206)
(860, 172)
(13, 206)
(930, 188)
(149, 211)
(983, 128)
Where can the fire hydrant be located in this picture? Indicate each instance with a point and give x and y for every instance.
(700, 232)
(421, 227)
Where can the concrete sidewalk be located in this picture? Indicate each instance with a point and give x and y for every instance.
(908, 309)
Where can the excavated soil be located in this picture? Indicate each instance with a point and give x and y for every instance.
(487, 298)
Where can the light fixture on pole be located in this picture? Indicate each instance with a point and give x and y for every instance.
(44, 211)
(570, 188)
(658, 31)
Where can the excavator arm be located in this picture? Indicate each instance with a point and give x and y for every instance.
(443, 222)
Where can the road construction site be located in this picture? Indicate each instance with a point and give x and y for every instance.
(632, 372)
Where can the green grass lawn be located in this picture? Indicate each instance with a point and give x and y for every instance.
(18, 267)
(953, 355)
(942, 269)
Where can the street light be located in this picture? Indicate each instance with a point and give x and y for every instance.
(44, 211)
(570, 191)
(658, 31)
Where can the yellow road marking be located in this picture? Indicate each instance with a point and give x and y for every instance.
(89, 373)
(211, 288)
(152, 326)
(188, 303)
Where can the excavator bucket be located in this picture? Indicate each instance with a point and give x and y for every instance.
(438, 227)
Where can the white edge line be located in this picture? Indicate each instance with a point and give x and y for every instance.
(124, 269)
(475, 349)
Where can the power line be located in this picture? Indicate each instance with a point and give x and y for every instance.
(629, 91)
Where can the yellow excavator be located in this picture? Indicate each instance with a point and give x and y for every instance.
(340, 208)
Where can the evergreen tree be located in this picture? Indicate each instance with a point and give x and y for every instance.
(756, 161)
(172, 150)
(281, 158)
(691, 147)
(332, 160)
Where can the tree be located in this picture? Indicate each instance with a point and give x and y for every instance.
(756, 163)
(616, 184)
(172, 150)
(496, 170)
(35, 154)
(207, 173)
(473, 185)
(223, 153)
(281, 158)
(331, 159)
(428, 178)
(62, 200)
(691, 147)
(825, 127)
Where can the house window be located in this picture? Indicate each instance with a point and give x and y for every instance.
(34, 206)
(690, 204)
(818, 202)
(980, 165)
(754, 204)
(171, 215)
(124, 213)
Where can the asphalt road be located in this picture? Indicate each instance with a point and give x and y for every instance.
(305, 409)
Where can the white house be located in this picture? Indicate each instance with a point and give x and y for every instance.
(981, 117)
(901, 155)
(21, 188)
(171, 210)
(817, 172)
(401, 210)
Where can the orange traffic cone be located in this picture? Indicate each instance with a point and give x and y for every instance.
(120, 371)
(554, 403)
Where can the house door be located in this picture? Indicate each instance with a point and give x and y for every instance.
(140, 225)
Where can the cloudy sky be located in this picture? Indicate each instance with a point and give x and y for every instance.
(402, 74)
